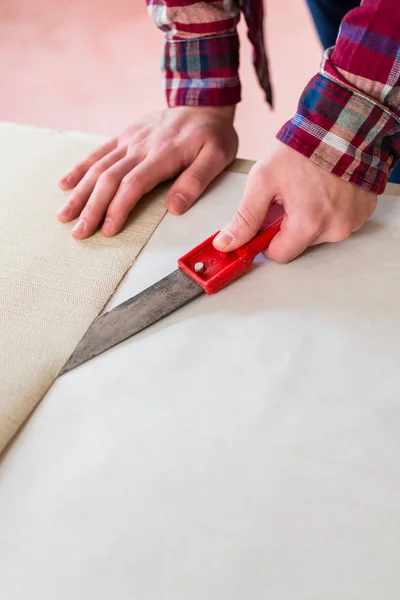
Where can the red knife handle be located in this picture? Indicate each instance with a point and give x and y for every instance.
(213, 269)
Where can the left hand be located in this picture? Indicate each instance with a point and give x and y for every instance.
(320, 207)
(195, 142)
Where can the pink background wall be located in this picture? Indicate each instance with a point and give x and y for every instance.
(93, 65)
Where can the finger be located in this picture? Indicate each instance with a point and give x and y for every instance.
(75, 175)
(146, 176)
(101, 197)
(249, 217)
(294, 236)
(339, 229)
(80, 195)
(209, 163)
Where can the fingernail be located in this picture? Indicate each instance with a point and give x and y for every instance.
(224, 240)
(65, 209)
(80, 226)
(108, 226)
(65, 181)
(179, 203)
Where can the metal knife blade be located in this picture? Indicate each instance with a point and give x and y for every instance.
(134, 315)
(202, 269)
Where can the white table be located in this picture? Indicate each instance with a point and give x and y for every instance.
(246, 447)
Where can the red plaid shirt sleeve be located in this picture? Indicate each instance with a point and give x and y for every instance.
(201, 52)
(348, 118)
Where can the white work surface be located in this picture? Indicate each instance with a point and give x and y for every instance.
(246, 447)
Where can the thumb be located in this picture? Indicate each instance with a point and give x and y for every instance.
(248, 219)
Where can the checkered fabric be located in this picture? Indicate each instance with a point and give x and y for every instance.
(201, 55)
(348, 117)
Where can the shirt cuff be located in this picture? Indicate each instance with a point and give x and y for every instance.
(345, 133)
(202, 71)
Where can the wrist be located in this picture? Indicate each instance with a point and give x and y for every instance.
(224, 112)
(220, 112)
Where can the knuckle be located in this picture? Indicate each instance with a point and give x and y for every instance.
(245, 217)
(90, 210)
(134, 182)
(95, 171)
(112, 213)
(165, 146)
(119, 213)
(221, 154)
(197, 179)
(108, 178)
(254, 171)
(140, 132)
(342, 232)
(77, 173)
(138, 148)
(73, 203)
(129, 179)
(281, 259)
(257, 170)
(75, 198)
(308, 223)
(310, 227)
(92, 158)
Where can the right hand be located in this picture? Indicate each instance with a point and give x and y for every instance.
(320, 207)
(198, 142)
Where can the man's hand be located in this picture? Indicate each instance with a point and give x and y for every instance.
(198, 142)
(320, 207)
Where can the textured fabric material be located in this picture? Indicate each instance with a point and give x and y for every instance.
(201, 56)
(202, 72)
(244, 448)
(51, 286)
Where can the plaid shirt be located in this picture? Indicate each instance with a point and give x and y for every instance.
(348, 118)
(201, 55)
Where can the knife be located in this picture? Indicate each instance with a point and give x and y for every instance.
(203, 269)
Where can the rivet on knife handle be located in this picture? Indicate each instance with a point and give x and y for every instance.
(213, 269)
